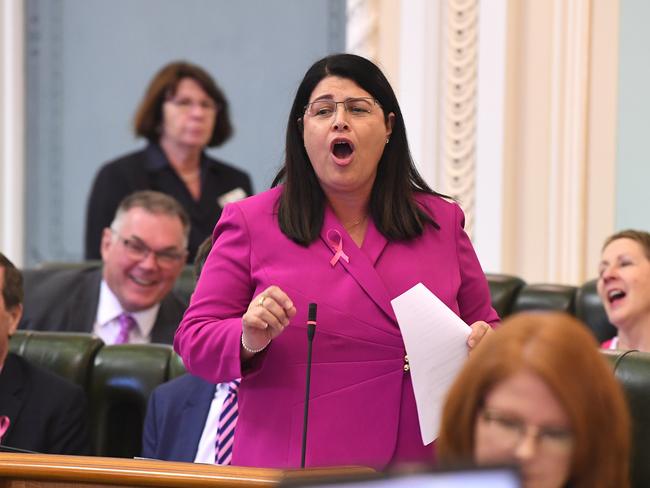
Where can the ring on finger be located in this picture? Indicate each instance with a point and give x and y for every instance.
(260, 302)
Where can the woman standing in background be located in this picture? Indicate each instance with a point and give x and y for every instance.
(183, 112)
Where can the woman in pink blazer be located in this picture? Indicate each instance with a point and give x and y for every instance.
(349, 225)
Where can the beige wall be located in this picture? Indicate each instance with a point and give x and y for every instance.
(555, 176)
(557, 184)
(560, 137)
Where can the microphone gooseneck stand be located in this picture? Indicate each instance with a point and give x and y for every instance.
(311, 330)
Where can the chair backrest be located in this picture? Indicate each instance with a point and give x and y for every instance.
(503, 291)
(184, 285)
(590, 309)
(70, 355)
(632, 369)
(123, 377)
(176, 366)
(544, 297)
(91, 263)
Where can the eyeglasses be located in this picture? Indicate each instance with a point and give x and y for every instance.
(139, 251)
(185, 104)
(510, 431)
(357, 107)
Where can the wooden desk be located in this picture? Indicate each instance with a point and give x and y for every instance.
(54, 471)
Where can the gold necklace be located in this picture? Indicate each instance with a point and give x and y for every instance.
(355, 223)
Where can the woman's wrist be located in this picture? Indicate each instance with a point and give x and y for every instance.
(251, 350)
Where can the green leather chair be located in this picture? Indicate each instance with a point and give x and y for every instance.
(68, 354)
(123, 377)
(503, 291)
(590, 309)
(184, 285)
(91, 263)
(632, 369)
(176, 367)
(545, 297)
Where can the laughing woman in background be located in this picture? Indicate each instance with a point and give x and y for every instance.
(624, 288)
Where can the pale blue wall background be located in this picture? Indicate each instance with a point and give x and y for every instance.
(89, 61)
(633, 153)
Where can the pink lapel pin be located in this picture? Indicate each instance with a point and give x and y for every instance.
(4, 426)
(335, 241)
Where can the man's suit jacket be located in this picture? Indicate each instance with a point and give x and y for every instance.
(67, 300)
(362, 407)
(47, 413)
(175, 419)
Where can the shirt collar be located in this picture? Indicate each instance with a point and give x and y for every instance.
(109, 308)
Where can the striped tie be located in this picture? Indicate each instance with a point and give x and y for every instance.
(127, 323)
(226, 427)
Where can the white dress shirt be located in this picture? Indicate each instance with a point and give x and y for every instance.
(107, 326)
(206, 451)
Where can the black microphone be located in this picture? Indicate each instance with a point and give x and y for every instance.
(311, 330)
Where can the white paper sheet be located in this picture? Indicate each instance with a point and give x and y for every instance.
(436, 344)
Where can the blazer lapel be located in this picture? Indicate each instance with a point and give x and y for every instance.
(374, 243)
(11, 392)
(82, 312)
(361, 260)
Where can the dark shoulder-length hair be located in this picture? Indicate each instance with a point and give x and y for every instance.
(393, 208)
(149, 115)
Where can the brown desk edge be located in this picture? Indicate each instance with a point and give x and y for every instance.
(56, 470)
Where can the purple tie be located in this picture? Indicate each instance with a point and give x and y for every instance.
(127, 323)
(226, 427)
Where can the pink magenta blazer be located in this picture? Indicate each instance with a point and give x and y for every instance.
(362, 409)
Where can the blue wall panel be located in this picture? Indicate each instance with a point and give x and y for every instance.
(89, 61)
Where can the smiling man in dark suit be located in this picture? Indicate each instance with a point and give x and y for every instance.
(130, 298)
(39, 411)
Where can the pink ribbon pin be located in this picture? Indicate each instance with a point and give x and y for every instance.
(4, 426)
(335, 241)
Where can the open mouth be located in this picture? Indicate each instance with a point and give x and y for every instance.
(141, 281)
(615, 295)
(342, 150)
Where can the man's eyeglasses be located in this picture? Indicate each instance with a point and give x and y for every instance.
(356, 107)
(186, 104)
(138, 251)
(511, 431)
